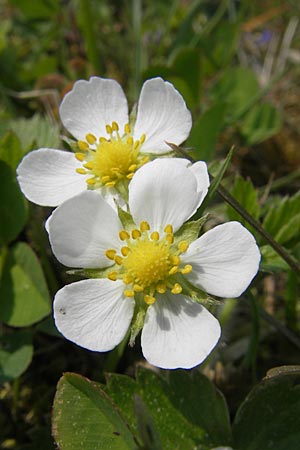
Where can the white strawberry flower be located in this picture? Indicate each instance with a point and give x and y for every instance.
(109, 148)
(151, 272)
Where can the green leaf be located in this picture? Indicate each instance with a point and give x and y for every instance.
(271, 261)
(12, 206)
(260, 123)
(170, 399)
(269, 418)
(16, 352)
(24, 296)
(146, 426)
(244, 192)
(282, 220)
(206, 130)
(10, 150)
(238, 86)
(84, 418)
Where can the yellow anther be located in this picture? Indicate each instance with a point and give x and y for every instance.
(102, 140)
(135, 234)
(144, 226)
(108, 129)
(127, 279)
(149, 299)
(110, 253)
(175, 260)
(83, 145)
(173, 270)
(89, 165)
(127, 129)
(123, 235)
(125, 251)
(154, 236)
(91, 139)
(130, 140)
(138, 288)
(187, 269)
(136, 144)
(183, 246)
(168, 229)
(112, 276)
(118, 259)
(81, 171)
(161, 288)
(142, 138)
(177, 289)
(91, 181)
(144, 160)
(128, 293)
(132, 168)
(129, 176)
(79, 156)
(105, 178)
(115, 126)
(170, 238)
(110, 184)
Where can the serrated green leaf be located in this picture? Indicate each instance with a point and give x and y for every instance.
(84, 418)
(146, 427)
(282, 220)
(260, 123)
(13, 210)
(24, 296)
(269, 418)
(16, 352)
(10, 150)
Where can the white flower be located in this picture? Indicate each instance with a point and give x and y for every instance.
(150, 267)
(110, 149)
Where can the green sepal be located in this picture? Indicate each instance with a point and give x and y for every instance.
(92, 273)
(196, 294)
(137, 324)
(190, 230)
(126, 219)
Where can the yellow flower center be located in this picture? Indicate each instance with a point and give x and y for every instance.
(110, 160)
(149, 264)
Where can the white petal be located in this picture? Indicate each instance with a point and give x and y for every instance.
(93, 313)
(199, 169)
(93, 104)
(82, 228)
(48, 177)
(224, 260)
(163, 192)
(178, 333)
(162, 116)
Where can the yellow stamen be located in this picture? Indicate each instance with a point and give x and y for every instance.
(132, 168)
(105, 179)
(127, 129)
(138, 288)
(127, 279)
(110, 253)
(161, 288)
(88, 165)
(130, 140)
(81, 171)
(155, 236)
(123, 235)
(129, 176)
(175, 260)
(170, 238)
(91, 181)
(128, 293)
(168, 229)
(102, 140)
(187, 269)
(177, 289)
(110, 184)
(136, 144)
(183, 246)
(143, 138)
(83, 145)
(91, 139)
(135, 234)
(173, 270)
(115, 126)
(144, 226)
(108, 129)
(149, 299)
(112, 276)
(79, 156)
(118, 259)
(125, 251)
